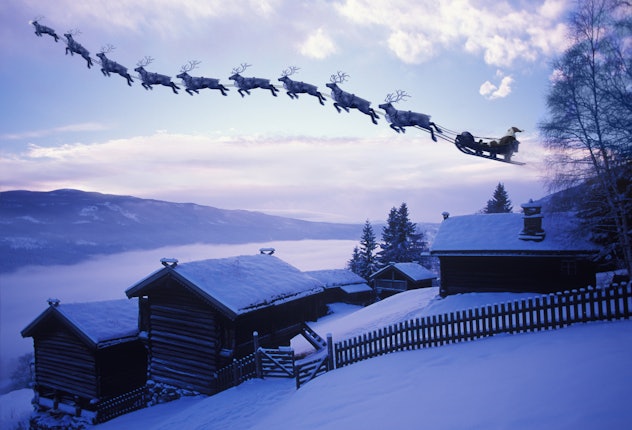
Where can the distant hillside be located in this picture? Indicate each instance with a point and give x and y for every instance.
(68, 226)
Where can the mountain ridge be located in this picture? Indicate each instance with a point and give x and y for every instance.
(67, 226)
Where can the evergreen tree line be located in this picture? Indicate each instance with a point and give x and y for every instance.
(402, 242)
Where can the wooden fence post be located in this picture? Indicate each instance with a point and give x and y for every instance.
(255, 341)
(330, 353)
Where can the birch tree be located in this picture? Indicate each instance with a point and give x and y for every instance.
(588, 129)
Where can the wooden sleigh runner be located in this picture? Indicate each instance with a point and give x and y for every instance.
(505, 146)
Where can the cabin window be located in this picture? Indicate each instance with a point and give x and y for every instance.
(390, 284)
(568, 268)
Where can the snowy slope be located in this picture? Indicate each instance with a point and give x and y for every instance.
(573, 378)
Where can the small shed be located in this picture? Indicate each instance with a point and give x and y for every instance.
(514, 252)
(397, 277)
(202, 314)
(342, 285)
(86, 353)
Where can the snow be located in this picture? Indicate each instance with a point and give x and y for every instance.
(414, 271)
(105, 320)
(15, 407)
(344, 279)
(499, 232)
(247, 282)
(577, 377)
(101, 321)
(336, 277)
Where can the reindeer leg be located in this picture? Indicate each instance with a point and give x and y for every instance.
(223, 90)
(374, 116)
(436, 128)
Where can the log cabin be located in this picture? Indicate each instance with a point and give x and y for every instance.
(514, 252)
(86, 354)
(201, 315)
(342, 285)
(397, 277)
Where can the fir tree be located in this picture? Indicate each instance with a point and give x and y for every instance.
(354, 264)
(401, 240)
(368, 244)
(499, 203)
(390, 239)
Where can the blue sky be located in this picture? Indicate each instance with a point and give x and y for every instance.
(474, 65)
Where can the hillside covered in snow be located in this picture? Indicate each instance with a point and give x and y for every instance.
(577, 377)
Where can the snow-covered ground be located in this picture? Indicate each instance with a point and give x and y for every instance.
(578, 377)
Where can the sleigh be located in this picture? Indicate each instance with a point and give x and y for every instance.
(466, 143)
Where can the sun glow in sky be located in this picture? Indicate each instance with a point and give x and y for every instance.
(474, 65)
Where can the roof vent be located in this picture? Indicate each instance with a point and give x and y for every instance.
(266, 251)
(53, 302)
(169, 262)
(532, 217)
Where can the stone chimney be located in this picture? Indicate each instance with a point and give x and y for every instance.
(532, 218)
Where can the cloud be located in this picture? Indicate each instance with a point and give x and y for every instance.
(491, 91)
(502, 32)
(318, 45)
(337, 178)
(70, 128)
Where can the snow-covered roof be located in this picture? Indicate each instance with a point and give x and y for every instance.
(96, 322)
(333, 278)
(240, 284)
(414, 271)
(498, 233)
(356, 288)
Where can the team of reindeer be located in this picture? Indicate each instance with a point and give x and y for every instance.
(342, 100)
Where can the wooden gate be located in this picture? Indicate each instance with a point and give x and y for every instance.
(275, 363)
(311, 367)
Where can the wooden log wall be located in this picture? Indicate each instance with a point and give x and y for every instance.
(63, 362)
(183, 340)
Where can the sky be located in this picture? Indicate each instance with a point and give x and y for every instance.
(473, 65)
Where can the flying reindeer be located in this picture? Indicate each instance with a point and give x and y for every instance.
(294, 87)
(42, 29)
(150, 78)
(75, 47)
(400, 119)
(197, 83)
(245, 84)
(108, 66)
(347, 100)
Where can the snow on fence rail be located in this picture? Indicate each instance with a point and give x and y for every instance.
(534, 314)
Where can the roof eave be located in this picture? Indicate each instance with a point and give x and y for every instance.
(53, 312)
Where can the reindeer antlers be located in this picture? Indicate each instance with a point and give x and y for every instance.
(290, 71)
(241, 68)
(73, 31)
(339, 78)
(107, 48)
(397, 96)
(190, 66)
(145, 61)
